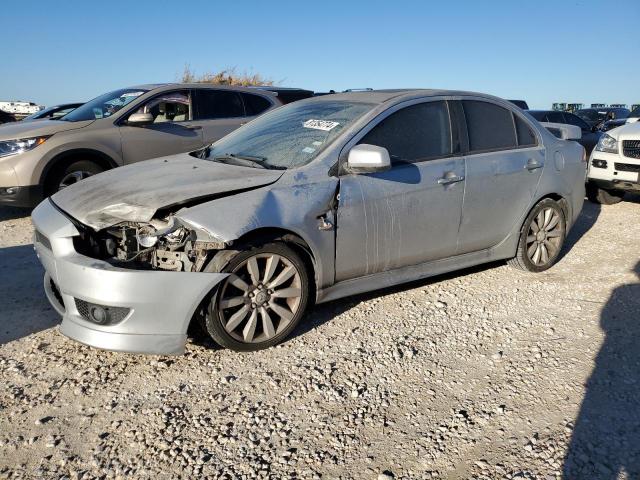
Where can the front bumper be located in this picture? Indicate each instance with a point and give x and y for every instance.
(620, 173)
(160, 304)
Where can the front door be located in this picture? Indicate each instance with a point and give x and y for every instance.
(171, 132)
(409, 214)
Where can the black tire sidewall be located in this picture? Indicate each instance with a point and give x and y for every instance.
(213, 322)
(522, 244)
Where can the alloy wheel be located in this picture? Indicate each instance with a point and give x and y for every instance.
(544, 238)
(72, 178)
(260, 298)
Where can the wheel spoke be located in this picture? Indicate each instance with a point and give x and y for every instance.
(554, 233)
(267, 323)
(531, 238)
(254, 271)
(532, 250)
(548, 214)
(534, 227)
(544, 254)
(237, 282)
(281, 311)
(536, 256)
(272, 264)
(540, 220)
(551, 248)
(231, 302)
(286, 293)
(236, 318)
(250, 328)
(554, 222)
(285, 275)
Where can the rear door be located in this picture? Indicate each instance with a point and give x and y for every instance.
(218, 112)
(171, 131)
(409, 214)
(504, 162)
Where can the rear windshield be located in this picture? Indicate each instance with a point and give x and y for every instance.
(104, 106)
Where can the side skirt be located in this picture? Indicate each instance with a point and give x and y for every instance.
(355, 286)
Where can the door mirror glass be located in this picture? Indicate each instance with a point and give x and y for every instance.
(139, 119)
(368, 158)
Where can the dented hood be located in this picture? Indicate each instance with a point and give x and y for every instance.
(134, 193)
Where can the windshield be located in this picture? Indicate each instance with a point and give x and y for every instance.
(288, 137)
(104, 105)
(592, 115)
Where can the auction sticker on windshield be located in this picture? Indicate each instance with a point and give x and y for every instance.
(325, 125)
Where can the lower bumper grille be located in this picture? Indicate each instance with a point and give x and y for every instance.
(631, 148)
(101, 314)
(56, 292)
(627, 167)
(42, 240)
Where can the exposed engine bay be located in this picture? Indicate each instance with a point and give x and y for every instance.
(160, 244)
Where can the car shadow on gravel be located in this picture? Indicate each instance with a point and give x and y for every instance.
(606, 437)
(12, 213)
(24, 309)
(587, 219)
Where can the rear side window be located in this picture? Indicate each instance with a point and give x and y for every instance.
(255, 104)
(526, 137)
(415, 133)
(572, 119)
(555, 117)
(211, 104)
(490, 126)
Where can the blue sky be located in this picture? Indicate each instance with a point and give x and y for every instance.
(541, 51)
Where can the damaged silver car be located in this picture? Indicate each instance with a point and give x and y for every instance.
(317, 200)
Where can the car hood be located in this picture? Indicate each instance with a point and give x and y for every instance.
(134, 193)
(11, 131)
(628, 130)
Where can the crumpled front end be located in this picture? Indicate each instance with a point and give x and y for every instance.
(123, 306)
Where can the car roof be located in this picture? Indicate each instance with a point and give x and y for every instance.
(397, 95)
(169, 86)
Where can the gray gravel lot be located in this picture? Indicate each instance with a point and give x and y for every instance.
(485, 373)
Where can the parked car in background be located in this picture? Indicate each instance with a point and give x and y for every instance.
(6, 117)
(614, 166)
(52, 113)
(316, 200)
(118, 128)
(590, 135)
(520, 103)
(595, 117)
(633, 117)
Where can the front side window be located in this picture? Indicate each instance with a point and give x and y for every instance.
(168, 107)
(212, 104)
(103, 106)
(489, 126)
(415, 133)
(289, 136)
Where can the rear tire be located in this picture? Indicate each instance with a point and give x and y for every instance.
(541, 237)
(260, 304)
(602, 196)
(71, 174)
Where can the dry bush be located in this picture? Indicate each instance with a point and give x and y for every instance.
(228, 76)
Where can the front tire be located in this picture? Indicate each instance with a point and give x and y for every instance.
(603, 197)
(262, 300)
(71, 174)
(541, 238)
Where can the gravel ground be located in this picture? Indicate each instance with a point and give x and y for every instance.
(485, 373)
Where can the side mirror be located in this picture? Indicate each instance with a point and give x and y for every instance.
(140, 119)
(368, 158)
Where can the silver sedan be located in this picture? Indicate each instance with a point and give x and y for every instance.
(317, 200)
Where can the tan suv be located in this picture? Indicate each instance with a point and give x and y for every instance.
(119, 128)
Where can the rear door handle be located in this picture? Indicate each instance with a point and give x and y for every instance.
(448, 179)
(533, 164)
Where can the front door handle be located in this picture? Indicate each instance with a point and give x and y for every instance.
(533, 164)
(449, 178)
